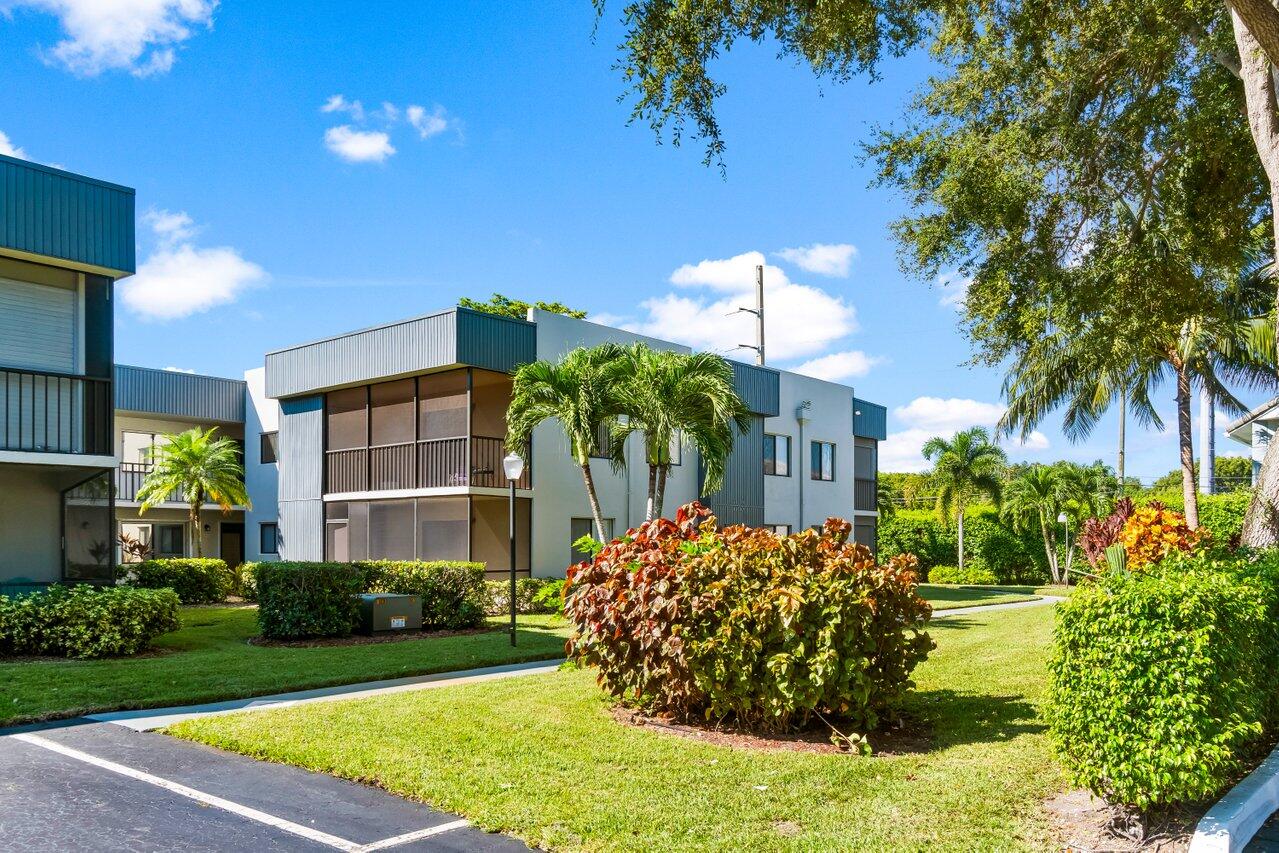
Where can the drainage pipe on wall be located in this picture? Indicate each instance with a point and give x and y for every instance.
(801, 417)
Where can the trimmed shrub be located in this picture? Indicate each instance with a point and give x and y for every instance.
(300, 600)
(742, 623)
(86, 621)
(995, 550)
(1153, 532)
(532, 595)
(1162, 681)
(195, 580)
(453, 593)
(921, 533)
(970, 575)
(246, 585)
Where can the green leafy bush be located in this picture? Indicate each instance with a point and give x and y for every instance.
(993, 547)
(1221, 514)
(246, 585)
(532, 595)
(299, 600)
(86, 621)
(1163, 681)
(745, 624)
(919, 532)
(970, 575)
(453, 593)
(195, 580)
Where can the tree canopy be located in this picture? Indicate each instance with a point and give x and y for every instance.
(505, 306)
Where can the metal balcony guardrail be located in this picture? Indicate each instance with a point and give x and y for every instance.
(48, 412)
(864, 497)
(428, 464)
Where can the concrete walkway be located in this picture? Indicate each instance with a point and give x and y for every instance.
(982, 608)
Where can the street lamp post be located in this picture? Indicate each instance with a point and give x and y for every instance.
(1064, 521)
(513, 465)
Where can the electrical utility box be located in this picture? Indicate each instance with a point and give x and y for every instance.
(383, 613)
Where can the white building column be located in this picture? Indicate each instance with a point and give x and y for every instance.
(1207, 442)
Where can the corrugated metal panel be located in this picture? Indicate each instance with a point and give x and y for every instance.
(301, 443)
(870, 420)
(758, 387)
(741, 501)
(493, 342)
(412, 346)
(301, 530)
(184, 395)
(37, 326)
(60, 215)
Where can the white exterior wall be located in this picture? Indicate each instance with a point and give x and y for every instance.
(261, 414)
(831, 420)
(559, 494)
(1261, 435)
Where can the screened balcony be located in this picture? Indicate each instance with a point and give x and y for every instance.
(442, 430)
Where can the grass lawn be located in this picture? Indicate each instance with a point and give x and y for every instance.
(540, 757)
(944, 597)
(209, 659)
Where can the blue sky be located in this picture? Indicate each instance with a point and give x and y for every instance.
(503, 163)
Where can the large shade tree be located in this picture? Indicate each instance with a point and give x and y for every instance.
(1041, 117)
(198, 467)
(966, 467)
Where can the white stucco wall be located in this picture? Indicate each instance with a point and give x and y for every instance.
(31, 521)
(261, 414)
(831, 420)
(559, 493)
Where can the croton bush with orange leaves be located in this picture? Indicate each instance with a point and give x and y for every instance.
(1153, 532)
(741, 624)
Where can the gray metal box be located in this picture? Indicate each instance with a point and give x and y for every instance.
(383, 612)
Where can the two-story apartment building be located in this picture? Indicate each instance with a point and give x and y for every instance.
(388, 443)
(64, 240)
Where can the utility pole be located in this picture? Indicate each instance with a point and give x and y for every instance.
(758, 311)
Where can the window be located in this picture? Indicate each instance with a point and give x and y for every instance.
(269, 537)
(823, 461)
(777, 455)
(603, 441)
(779, 529)
(169, 540)
(579, 527)
(270, 449)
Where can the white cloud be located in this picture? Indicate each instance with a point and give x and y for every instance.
(358, 146)
(800, 320)
(179, 370)
(429, 124)
(954, 289)
(832, 259)
(339, 104)
(139, 36)
(838, 366)
(9, 149)
(179, 279)
(925, 417)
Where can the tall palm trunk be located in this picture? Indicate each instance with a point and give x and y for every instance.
(1050, 549)
(594, 499)
(959, 529)
(1186, 446)
(652, 494)
(197, 545)
(660, 494)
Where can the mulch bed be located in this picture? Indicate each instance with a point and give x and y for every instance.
(1085, 824)
(910, 738)
(362, 640)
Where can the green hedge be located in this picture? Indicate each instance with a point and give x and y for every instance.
(952, 574)
(86, 621)
(1222, 514)
(1163, 682)
(990, 544)
(300, 600)
(453, 593)
(195, 580)
(532, 595)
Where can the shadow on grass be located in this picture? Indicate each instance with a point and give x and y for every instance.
(937, 719)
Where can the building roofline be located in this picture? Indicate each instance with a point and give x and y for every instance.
(378, 327)
(1254, 414)
(179, 373)
(63, 173)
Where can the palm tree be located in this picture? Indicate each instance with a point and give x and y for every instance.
(668, 395)
(1034, 498)
(885, 502)
(966, 467)
(581, 393)
(199, 467)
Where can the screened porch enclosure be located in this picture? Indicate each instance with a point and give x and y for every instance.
(461, 527)
(441, 430)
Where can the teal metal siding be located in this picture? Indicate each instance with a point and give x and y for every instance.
(63, 216)
(741, 500)
(183, 395)
(759, 387)
(870, 420)
(494, 342)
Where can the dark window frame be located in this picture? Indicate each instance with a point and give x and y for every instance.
(274, 527)
(770, 438)
(816, 458)
(269, 445)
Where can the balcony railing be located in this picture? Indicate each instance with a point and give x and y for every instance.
(128, 480)
(430, 464)
(44, 412)
(864, 497)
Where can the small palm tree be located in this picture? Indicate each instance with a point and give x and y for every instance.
(966, 467)
(885, 501)
(666, 395)
(200, 467)
(1034, 499)
(580, 392)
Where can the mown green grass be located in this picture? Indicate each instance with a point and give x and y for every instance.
(210, 659)
(944, 597)
(541, 757)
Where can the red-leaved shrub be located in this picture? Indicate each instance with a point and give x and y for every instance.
(1098, 534)
(743, 624)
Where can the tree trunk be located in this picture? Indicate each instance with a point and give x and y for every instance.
(1050, 548)
(1123, 416)
(1185, 446)
(1256, 28)
(959, 529)
(197, 545)
(661, 490)
(591, 496)
(652, 493)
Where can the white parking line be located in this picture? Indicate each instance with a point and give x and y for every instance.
(235, 808)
